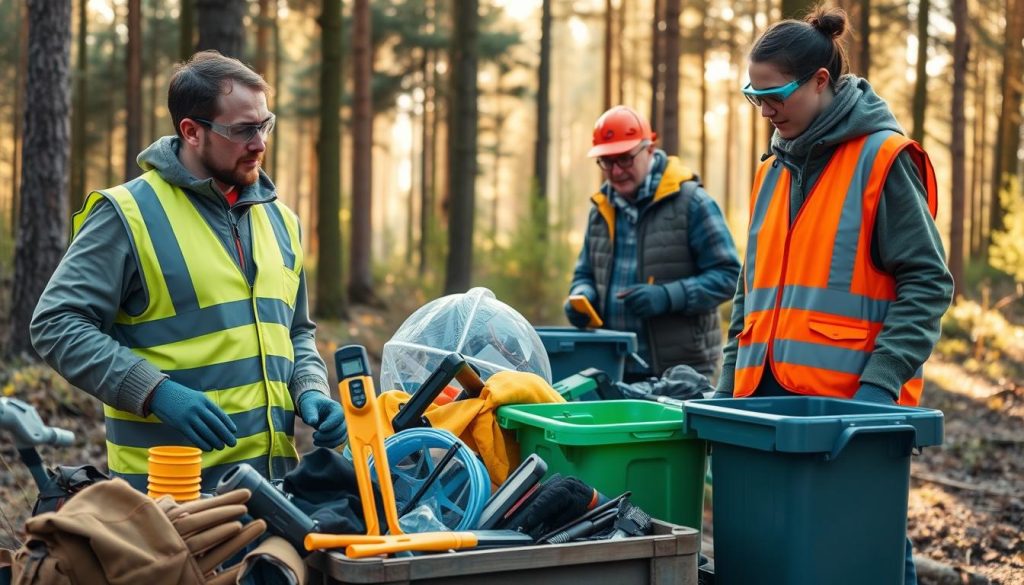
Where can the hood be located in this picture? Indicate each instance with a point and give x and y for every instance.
(855, 110)
(162, 156)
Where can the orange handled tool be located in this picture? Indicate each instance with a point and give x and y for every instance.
(424, 541)
(367, 428)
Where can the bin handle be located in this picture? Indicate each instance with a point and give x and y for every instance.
(850, 432)
(653, 434)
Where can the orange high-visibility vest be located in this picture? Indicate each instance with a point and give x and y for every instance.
(815, 301)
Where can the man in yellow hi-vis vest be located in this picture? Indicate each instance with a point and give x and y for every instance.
(181, 302)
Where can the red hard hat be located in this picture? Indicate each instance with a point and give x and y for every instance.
(619, 130)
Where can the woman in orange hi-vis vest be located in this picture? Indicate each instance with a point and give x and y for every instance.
(844, 279)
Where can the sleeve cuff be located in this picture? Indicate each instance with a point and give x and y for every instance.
(886, 372)
(676, 295)
(136, 387)
(584, 289)
(307, 383)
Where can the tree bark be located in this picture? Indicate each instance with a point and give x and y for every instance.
(1008, 139)
(669, 131)
(980, 143)
(42, 226)
(920, 106)
(330, 299)
(609, 38)
(657, 66)
(187, 29)
(263, 37)
(540, 150)
(360, 286)
(79, 114)
(462, 145)
(427, 158)
(957, 153)
(133, 91)
(864, 47)
(221, 26)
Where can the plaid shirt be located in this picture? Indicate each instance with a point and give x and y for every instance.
(710, 242)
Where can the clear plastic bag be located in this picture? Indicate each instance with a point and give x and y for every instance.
(491, 335)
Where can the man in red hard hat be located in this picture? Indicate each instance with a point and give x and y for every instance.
(657, 257)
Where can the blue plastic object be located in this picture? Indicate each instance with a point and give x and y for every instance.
(572, 350)
(810, 490)
(460, 491)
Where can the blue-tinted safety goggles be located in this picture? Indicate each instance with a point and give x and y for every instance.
(776, 94)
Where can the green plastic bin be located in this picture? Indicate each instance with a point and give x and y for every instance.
(571, 350)
(810, 490)
(615, 446)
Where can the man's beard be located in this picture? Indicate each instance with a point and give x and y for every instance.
(232, 175)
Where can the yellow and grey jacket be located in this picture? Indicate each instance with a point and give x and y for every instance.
(211, 296)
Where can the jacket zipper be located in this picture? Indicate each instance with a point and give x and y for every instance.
(238, 247)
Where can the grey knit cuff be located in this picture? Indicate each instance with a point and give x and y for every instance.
(310, 382)
(886, 372)
(134, 390)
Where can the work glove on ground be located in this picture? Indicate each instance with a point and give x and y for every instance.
(326, 416)
(647, 300)
(872, 393)
(577, 319)
(194, 415)
(213, 531)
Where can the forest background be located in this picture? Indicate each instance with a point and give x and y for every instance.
(433, 145)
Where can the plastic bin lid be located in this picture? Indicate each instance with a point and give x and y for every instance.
(564, 339)
(795, 424)
(605, 422)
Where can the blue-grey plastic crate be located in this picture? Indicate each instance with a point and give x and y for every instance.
(572, 350)
(810, 490)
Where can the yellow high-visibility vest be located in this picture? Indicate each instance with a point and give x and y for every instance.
(206, 328)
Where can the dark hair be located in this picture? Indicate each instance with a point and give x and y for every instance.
(197, 83)
(801, 47)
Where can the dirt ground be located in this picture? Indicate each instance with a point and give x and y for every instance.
(966, 499)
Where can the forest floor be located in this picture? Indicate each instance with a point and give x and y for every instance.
(966, 499)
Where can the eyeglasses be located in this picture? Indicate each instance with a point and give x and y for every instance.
(623, 161)
(241, 133)
(776, 94)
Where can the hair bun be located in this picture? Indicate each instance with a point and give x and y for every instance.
(831, 22)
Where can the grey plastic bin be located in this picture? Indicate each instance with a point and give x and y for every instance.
(667, 557)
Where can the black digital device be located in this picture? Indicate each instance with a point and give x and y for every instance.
(519, 483)
(268, 503)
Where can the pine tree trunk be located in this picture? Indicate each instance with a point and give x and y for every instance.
(921, 82)
(957, 153)
(1008, 138)
(670, 124)
(330, 296)
(540, 151)
(43, 219)
(657, 66)
(187, 29)
(427, 160)
(79, 114)
(222, 26)
(609, 39)
(360, 286)
(462, 145)
(133, 91)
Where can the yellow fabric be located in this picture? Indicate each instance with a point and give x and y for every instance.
(473, 420)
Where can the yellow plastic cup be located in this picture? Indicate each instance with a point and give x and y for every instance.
(176, 467)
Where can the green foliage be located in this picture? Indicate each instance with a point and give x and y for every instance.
(982, 340)
(532, 273)
(1007, 250)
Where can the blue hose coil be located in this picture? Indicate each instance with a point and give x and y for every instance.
(459, 493)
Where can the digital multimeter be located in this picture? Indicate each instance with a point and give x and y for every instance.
(367, 428)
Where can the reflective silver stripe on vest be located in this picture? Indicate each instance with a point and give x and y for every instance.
(201, 322)
(284, 241)
(760, 299)
(764, 201)
(277, 467)
(233, 373)
(750, 356)
(168, 253)
(819, 355)
(844, 250)
(835, 302)
(130, 433)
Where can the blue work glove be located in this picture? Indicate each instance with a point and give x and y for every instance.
(194, 415)
(326, 416)
(872, 393)
(647, 300)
